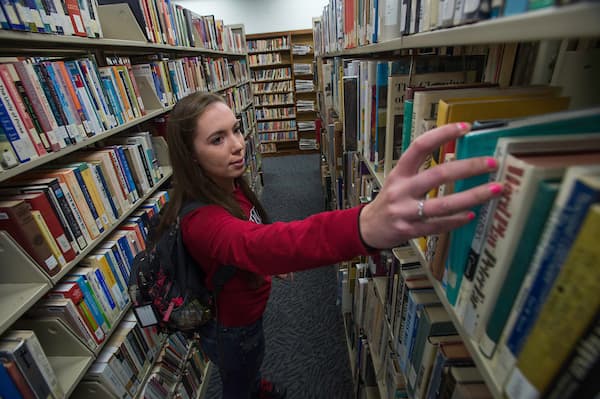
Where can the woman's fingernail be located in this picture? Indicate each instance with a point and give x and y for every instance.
(491, 162)
(471, 215)
(463, 126)
(496, 188)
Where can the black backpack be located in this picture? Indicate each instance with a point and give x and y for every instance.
(167, 287)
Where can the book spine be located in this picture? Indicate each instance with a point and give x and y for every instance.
(551, 257)
(90, 182)
(91, 302)
(37, 352)
(76, 222)
(92, 324)
(14, 128)
(22, 115)
(63, 85)
(30, 370)
(64, 131)
(555, 333)
(84, 201)
(127, 172)
(48, 238)
(533, 229)
(108, 199)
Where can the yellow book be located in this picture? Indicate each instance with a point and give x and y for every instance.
(99, 261)
(486, 108)
(572, 305)
(90, 183)
(48, 237)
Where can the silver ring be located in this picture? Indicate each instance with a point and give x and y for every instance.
(421, 210)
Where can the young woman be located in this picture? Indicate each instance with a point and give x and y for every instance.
(206, 147)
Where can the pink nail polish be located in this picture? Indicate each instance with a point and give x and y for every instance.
(491, 162)
(463, 126)
(471, 215)
(495, 188)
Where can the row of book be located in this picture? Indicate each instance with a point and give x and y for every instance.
(429, 359)
(173, 79)
(180, 368)
(123, 362)
(92, 301)
(265, 59)
(275, 113)
(276, 125)
(522, 278)
(266, 148)
(69, 205)
(165, 22)
(526, 269)
(277, 136)
(265, 88)
(274, 44)
(273, 99)
(271, 74)
(46, 106)
(63, 18)
(346, 24)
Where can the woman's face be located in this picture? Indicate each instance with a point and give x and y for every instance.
(219, 145)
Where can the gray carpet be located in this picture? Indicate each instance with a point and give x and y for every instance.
(305, 344)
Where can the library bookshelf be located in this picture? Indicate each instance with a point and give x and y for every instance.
(284, 95)
(563, 31)
(197, 62)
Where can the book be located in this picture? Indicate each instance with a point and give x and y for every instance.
(73, 292)
(579, 190)
(483, 143)
(533, 228)
(577, 377)
(65, 310)
(571, 305)
(18, 352)
(448, 353)
(19, 223)
(521, 175)
(39, 202)
(31, 342)
(48, 238)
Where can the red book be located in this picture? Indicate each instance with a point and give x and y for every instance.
(70, 290)
(136, 229)
(16, 219)
(25, 118)
(39, 202)
(75, 16)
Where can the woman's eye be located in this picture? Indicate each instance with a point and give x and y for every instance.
(217, 140)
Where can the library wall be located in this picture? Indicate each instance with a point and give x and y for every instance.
(260, 15)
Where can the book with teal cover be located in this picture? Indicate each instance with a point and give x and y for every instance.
(543, 200)
(483, 143)
(407, 124)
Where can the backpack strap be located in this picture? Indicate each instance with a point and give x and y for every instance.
(225, 272)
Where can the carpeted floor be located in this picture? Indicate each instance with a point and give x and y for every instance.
(306, 348)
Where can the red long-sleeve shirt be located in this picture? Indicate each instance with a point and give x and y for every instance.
(214, 237)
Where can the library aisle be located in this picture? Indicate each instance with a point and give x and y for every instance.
(305, 345)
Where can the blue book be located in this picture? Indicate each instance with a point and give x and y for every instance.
(119, 278)
(381, 88)
(12, 17)
(109, 88)
(97, 170)
(7, 386)
(20, 147)
(113, 246)
(61, 95)
(105, 288)
(417, 300)
(126, 249)
(127, 171)
(483, 143)
(582, 192)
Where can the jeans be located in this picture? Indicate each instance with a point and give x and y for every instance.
(238, 352)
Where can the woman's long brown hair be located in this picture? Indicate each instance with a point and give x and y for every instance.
(189, 181)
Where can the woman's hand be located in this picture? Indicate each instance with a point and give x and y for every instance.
(400, 211)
